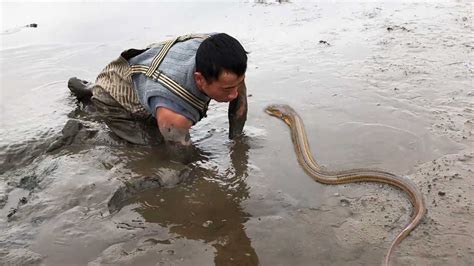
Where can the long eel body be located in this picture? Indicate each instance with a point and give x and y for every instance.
(311, 167)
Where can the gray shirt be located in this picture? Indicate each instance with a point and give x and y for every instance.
(179, 64)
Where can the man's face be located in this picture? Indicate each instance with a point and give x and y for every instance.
(224, 89)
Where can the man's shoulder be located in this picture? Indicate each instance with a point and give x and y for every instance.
(197, 37)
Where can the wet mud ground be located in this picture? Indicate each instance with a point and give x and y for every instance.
(378, 85)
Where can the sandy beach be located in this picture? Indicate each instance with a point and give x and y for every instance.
(384, 85)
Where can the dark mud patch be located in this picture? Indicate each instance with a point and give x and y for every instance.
(397, 28)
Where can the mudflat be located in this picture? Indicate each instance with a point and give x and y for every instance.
(378, 85)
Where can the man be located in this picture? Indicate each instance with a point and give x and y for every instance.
(155, 95)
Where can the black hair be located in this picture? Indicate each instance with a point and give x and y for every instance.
(218, 53)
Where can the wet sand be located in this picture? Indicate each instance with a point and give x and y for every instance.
(379, 85)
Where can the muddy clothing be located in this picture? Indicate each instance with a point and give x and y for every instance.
(129, 89)
(141, 130)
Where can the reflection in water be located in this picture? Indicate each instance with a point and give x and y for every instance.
(202, 209)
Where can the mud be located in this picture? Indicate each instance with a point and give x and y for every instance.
(378, 85)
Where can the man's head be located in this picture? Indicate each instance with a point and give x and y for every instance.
(221, 62)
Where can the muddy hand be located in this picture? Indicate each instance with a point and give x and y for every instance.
(238, 113)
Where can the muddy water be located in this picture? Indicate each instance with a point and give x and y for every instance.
(382, 85)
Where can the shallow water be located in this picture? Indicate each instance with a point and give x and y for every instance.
(390, 87)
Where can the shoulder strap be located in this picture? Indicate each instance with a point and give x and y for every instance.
(173, 86)
(160, 56)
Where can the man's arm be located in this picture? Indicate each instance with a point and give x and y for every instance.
(174, 128)
(238, 112)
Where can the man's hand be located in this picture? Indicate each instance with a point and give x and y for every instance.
(238, 112)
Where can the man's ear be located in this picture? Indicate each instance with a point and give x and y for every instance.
(199, 79)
